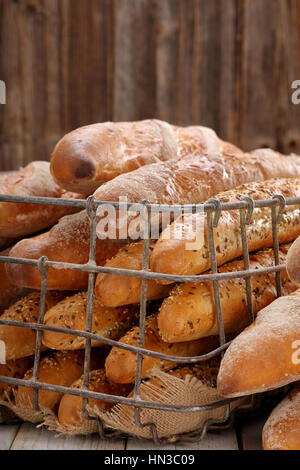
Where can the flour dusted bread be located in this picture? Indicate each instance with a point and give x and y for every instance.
(189, 312)
(266, 355)
(282, 430)
(17, 220)
(189, 254)
(20, 342)
(120, 365)
(71, 312)
(115, 290)
(68, 241)
(87, 157)
(15, 369)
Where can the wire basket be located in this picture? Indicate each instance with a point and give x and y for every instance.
(213, 209)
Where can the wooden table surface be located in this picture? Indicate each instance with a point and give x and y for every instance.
(27, 437)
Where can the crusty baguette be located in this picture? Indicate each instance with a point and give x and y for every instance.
(114, 290)
(282, 430)
(72, 312)
(87, 157)
(20, 342)
(68, 241)
(17, 220)
(120, 364)
(189, 312)
(70, 407)
(15, 369)
(9, 292)
(58, 368)
(266, 355)
(174, 256)
(293, 262)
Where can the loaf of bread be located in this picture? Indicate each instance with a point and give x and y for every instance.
(120, 364)
(70, 407)
(266, 355)
(71, 312)
(15, 369)
(176, 255)
(114, 290)
(68, 242)
(293, 262)
(189, 312)
(17, 220)
(58, 368)
(9, 292)
(20, 342)
(282, 430)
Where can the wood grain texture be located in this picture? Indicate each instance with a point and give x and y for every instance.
(67, 63)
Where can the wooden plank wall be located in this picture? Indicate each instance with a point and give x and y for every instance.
(227, 64)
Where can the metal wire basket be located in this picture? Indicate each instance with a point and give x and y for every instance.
(213, 210)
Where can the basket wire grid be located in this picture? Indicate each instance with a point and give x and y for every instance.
(213, 210)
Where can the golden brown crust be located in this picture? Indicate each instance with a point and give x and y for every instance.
(20, 342)
(70, 407)
(114, 290)
(293, 262)
(282, 430)
(174, 256)
(189, 312)
(15, 369)
(71, 313)
(265, 355)
(120, 364)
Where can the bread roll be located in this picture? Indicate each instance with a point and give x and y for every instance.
(71, 313)
(114, 290)
(15, 369)
(189, 313)
(120, 364)
(293, 262)
(58, 368)
(70, 407)
(266, 355)
(20, 342)
(282, 430)
(9, 292)
(174, 255)
(17, 220)
(68, 242)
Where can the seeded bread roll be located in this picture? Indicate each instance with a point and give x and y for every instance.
(120, 364)
(58, 368)
(20, 342)
(70, 407)
(189, 255)
(266, 355)
(71, 313)
(68, 242)
(15, 369)
(282, 430)
(114, 290)
(189, 313)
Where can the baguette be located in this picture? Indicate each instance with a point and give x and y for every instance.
(9, 292)
(20, 342)
(266, 355)
(115, 290)
(70, 407)
(71, 313)
(15, 369)
(59, 368)
(173, 256)
(68, 242)
(189, 313)
(120, 365)
(293, 262)
(282, 430)
(18, 220)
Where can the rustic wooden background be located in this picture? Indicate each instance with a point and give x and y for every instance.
(228, 64)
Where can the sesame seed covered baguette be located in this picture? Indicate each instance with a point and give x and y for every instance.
(58, 368)
(173, 255)
(110, 322)
(70, 407)
(15, 369)
(282, 429)
(120, 365)
(189, 312)
(115, 290)
(19, 341)
(266, 354)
